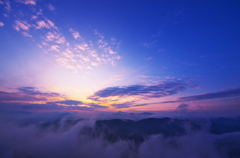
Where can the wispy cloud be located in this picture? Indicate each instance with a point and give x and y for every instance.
(28, 95)
(75, 34)
(7, 5)
(69, 102)
(1, 24)
(44, 24)
(214, 95)
(75, 54)
(55, 37)
(45, 107)
(21, 25)
(149, 44)
(182, 107)
(55, 48)
(51, 7)
(26, 34)
(34, 91)
(126, 105)
(30, 2)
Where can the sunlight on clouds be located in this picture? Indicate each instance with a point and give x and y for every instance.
(21, 25)
(75, 34)
(44, 24)
(75, 54)
(26, 34)
(55, 48)
(31, 2)
(55, 37)
(78, 65)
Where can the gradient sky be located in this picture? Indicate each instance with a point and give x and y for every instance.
(119, 55)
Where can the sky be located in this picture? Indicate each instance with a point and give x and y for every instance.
(119, 55)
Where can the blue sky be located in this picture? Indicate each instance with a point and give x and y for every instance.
(120, 55)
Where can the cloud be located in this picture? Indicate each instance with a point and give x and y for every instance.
(75, 34)
(182, 107)
(46, 23)
(1, 24)
(29, 95)
(55, 48)
(21, 25)
(85, 53)
(174, 147)
(34, 91)
(126, 105)
(70, 102)
(29, 98)
(7, 5)
(146, 113)
(56, 37)
(51, 7)
(42, 24)
(149, 44)
(40, 108)
(61, 135)
(30, 2)
(26, 34)
(162, 89)
(94, 105)
(214, 95)
(122, 105)
(18, 97)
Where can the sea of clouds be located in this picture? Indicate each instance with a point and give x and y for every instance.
(26, 137)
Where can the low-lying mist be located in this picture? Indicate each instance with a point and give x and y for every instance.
(65, 137)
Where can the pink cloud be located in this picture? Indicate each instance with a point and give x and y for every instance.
(1, 24)
(31, 2)
(34, 17)
(60, 40)
(42, 24)
(51, 24)
(55, 48)
(51, 36)
(66, 63)
(26, 34)
(45, 24)
(83, 46)
(21, 25)
(75, 34)
(54, 36)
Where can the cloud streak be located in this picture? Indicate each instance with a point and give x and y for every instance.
(162, 89)
(28, 95)
(29, 2)
(21, 25)
(214, 95)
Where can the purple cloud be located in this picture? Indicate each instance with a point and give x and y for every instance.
(214, 95)
(147, 91)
